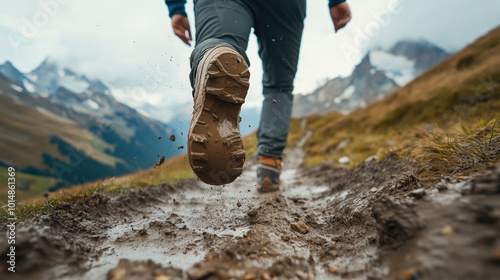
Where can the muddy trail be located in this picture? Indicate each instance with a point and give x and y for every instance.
(375, 221)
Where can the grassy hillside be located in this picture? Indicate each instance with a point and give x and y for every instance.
(26, 126)
(463, 90)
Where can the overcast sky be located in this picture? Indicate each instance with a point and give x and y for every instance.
(130, 44)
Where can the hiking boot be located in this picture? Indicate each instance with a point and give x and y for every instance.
(215, 146)
(268, 174)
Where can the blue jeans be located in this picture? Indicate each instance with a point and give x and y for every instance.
(278, 25)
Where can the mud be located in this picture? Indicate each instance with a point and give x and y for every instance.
(326, 223)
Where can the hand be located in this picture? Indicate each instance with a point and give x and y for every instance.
(180, 24)
(341, 15)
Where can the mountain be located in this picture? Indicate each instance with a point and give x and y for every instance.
(379, 73)
(58, 123)
(462, 91)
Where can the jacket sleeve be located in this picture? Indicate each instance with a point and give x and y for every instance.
(333, 3)
(176, 7)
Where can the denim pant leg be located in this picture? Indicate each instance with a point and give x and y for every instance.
(278, 26)
(217, 23)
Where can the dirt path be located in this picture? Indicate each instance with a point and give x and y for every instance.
(327, 223)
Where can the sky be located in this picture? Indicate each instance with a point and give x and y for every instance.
(130, 44)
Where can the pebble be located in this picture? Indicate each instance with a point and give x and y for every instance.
(265, 276)
(373, 190)
(250, 276)
(285, 237)
(447, 230)
(311, 276)
(332, 269)
(162, 277)
(344, 160)
(371, 159)
(274, 101)
(300, 227)
(300, 274)
(418, 194)
(252, 213)
(238, 204)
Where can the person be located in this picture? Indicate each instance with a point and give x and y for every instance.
(220, 80)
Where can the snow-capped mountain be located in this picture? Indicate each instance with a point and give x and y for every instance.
(78, 113)
(379, 73)
(49, 77)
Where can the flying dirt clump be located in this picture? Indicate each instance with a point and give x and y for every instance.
(172, 137)
(160, 161)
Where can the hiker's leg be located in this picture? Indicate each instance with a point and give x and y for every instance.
(220, 23)
(278, 26)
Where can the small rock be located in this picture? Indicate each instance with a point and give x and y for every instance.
(373, 190)
(301, 274)
(265, 276)
(300, 227)
(238, 204)
(418, 194)
(162, 277)
(344, 160)
(172, 137)
(245, 234)
(371, 159)
(285, 237)
(252, 213)
(250, 276)
(274, 101)
(447, 230)
(442, 186)
(332, 269)
(311, 276)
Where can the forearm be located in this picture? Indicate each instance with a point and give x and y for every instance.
(333, 3)
(176, 7)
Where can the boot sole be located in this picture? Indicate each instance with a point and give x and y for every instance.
(215, 146)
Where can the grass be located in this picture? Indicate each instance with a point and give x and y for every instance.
(459, 154)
